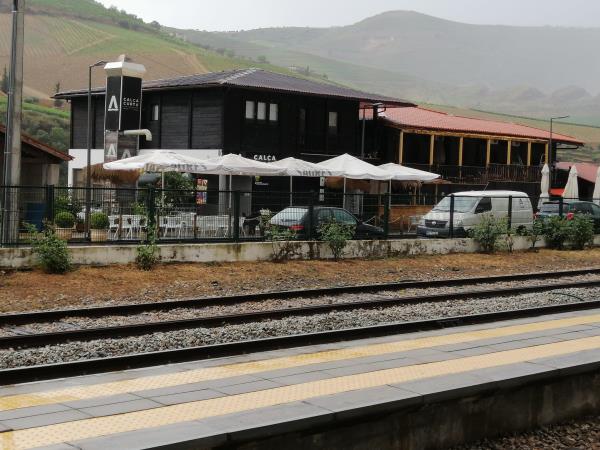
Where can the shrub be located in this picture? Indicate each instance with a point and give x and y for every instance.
(64, 203)
(581, 231)
(64, 219)
(51, 252)
(147, 254)
(488, 231)
(336, 235)
(283, 242)
(99, 221)
(536, 232)
(557, 231)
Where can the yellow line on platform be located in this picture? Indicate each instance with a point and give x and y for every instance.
(104, 426)
(253, 367)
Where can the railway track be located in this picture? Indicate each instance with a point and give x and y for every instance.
(73, 368)
(22, 341)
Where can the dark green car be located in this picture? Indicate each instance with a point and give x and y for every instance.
(570, 209)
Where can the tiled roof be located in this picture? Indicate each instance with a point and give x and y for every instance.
(586, 171)
(426, 119)
(26, 139)
(256, 79)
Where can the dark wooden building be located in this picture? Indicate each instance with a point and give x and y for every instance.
(252, 112)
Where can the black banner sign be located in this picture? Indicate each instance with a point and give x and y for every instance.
(123, 103)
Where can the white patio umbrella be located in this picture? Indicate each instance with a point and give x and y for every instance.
(236, 165)
(572, 187)
(403, 173)
(596, 196)
(545, 187)
(159, 161)
(299, 168)
(349, 166)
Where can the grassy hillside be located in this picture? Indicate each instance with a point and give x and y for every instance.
(528, 71)
(58, 49)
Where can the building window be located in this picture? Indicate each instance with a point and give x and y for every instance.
(273, 112)
(155, 113)
(250, 110)
(333, 122)
(261, 111)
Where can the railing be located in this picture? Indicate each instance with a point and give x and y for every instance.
(132, 215)
(483, 175)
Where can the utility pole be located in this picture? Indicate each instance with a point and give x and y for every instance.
(12, 148)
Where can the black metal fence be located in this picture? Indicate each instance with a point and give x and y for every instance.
(111, 216)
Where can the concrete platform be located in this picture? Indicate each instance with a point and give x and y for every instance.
(421, 390)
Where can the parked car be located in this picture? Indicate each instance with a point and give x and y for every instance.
(296, 218)
(570, 209)
(470, 207)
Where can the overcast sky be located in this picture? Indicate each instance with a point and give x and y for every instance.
(248, 14)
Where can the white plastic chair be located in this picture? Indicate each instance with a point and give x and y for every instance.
(113, 227)
(171, 223)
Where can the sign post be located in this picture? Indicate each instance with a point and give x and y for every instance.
(123, 108)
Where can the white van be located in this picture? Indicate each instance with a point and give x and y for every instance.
(470, 207)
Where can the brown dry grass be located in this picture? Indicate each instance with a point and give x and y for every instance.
(22, 291)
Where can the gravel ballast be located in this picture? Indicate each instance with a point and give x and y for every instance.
(289, 326)
(583, 434)
(70, 323)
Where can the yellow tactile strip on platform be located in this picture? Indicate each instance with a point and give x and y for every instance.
(213, 373)
(104, 426)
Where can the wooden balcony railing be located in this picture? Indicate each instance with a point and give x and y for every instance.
(483, 175)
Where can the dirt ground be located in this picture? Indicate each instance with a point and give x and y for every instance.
(86, 286)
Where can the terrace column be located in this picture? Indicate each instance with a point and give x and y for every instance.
(529, 153)
(431, 149)
(508, 153)
(488, 153)
(401, 148)
(460, 151)
(547, 154)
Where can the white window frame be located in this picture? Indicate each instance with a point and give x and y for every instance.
(155, 112)
(332, 122)
(250, 110)
(261, 111)
(273, 112)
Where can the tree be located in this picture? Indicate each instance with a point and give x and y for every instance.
(154, 24)
(4, 81)
(58, 103)
(263, 59)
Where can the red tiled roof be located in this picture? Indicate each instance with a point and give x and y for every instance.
(586, 171)
(426, 119)
(26, 139)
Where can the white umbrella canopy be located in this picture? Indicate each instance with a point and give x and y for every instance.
(299, 168)
(348, 166)
(159, 161)
(236, 165)
(572, 187)
(545, 186)
(403, 173)
(596, 195)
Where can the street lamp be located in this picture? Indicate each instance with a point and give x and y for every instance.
(88, 181)
(552, 119)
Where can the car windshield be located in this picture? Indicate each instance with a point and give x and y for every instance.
(461, 204)
(289, 215)
(553, 208)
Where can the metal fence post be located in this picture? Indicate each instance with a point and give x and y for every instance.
(451, 224)
(510, 212)
(311, 218)
(561, 205)
(386, 215)
(151, 211)
(236, 216)
(49, 193)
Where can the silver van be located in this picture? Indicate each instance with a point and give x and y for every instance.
(470, 207)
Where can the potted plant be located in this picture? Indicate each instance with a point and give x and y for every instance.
(99, 224)
(79, 225)
(64, 222)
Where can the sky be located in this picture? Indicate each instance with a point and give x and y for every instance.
(230, 15)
